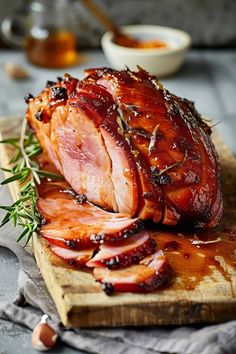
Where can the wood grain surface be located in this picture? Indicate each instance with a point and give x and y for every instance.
(81, 303)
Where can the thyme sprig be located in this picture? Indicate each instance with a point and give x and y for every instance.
(26, 171)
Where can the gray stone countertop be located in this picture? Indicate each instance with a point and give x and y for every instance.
(208, 78)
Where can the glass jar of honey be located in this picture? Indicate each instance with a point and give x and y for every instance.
(49, 40)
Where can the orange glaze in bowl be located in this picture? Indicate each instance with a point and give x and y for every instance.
(126, 41)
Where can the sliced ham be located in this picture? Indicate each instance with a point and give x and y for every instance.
(71, 221)
(85, 163)
(100, 107)
(124, 253)
(151, 273)
(77, 124)
(73, 257)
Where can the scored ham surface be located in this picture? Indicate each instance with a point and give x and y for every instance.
(130, 146)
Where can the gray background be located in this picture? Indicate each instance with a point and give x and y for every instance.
(209, 22)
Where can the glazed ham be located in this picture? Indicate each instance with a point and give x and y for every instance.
(130, 146)
(129, 151)
(168, 134)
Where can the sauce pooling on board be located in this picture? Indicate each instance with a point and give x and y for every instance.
(194, 255)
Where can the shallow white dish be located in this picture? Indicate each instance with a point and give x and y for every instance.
(158, 61)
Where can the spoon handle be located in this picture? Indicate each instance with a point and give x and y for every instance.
(100, 15)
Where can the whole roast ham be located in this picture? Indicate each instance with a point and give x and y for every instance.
(129, 151)
(130, 146)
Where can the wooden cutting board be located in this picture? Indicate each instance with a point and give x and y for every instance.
(81, 303)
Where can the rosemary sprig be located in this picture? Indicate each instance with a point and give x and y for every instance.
(175, 164)
(25, 170)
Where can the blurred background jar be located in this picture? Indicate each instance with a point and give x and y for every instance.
(46, 32)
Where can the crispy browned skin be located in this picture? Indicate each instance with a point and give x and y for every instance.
(156, 159)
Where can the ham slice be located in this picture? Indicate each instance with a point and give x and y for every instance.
(124, 253)
(151, 273)
(71, 221)
(100, 107)
(73, 257)
(85, 163)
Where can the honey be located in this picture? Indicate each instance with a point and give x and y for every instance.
(55, 50)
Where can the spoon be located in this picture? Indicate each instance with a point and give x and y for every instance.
(119, 37)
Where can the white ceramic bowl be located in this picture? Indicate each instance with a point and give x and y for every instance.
(158, 61)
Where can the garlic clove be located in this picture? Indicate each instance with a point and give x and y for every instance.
(43, 337)
(15, 71)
